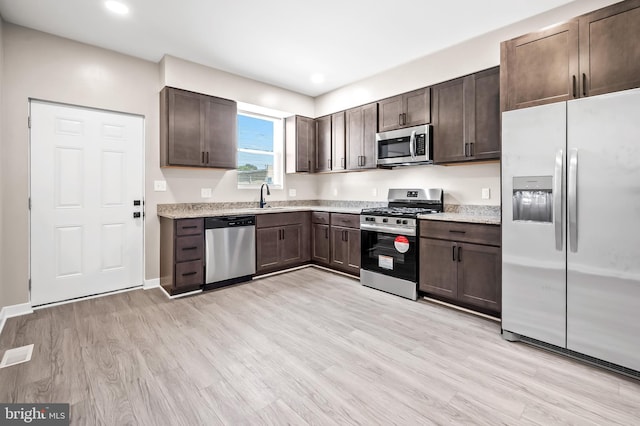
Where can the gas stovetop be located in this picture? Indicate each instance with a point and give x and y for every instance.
(408, 212)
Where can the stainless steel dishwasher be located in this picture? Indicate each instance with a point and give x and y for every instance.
(230, 250)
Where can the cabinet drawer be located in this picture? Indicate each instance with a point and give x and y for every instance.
(458, 231)
(346, 220)
(268, 220)
(189, 248)
(189, 274)
(320, 217)
(189, 226)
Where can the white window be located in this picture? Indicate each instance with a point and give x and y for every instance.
(260, 149)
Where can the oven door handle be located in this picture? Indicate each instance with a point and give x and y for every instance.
(388, 230)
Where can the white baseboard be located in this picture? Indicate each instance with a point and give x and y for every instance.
(14, 311)
(149, 284)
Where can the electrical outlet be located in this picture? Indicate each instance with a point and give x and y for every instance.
(205, 192)
(486, 193)
(159, 185)
(292, 192)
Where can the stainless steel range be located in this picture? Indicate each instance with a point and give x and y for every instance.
(389, 240)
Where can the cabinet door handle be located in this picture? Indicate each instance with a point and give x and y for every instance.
(404, 118)
(190, 227)
(202, 157)
(326, 233)
(453, 253)
(471, 144)
(466, 149)
(346, 236)
(190, 248)
(574, 86)
(309, 167)
(399, 119)
(584, 84)
(186, 274)
(455, 231)
(459, 253)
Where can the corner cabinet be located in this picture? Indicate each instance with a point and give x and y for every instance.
(300, 139)
(461, 263)
(590, 55)
(361, 128)
(466, 118)
(197, 130)
(406, 110)
(282, 241)
(181, 254)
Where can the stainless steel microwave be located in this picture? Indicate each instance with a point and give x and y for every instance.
(404, 147)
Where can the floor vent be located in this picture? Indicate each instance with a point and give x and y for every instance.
(16, 356)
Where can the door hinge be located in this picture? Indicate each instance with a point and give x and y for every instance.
(29, 284)
(29, 203)
(29, 121)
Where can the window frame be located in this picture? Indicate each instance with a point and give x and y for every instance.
(277, 153)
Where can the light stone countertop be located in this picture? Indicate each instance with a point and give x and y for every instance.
(461, 217)
(453, 213)
(185, 211)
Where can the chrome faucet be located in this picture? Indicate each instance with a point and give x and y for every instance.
(262, 200)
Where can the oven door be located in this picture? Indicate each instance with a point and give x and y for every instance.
(390, 254)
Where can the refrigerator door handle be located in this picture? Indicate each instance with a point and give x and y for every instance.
(573, 200)
(557, 198)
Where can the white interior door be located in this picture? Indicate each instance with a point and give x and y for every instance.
(86, 172)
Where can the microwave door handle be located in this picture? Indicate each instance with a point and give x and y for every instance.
(412, 144)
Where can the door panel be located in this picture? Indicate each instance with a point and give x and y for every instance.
(448, 123)
(267, 248)
(603, 274)
(438, 269)
(533, 270)
(479, 275)
(186, 125)
(338, 143)
(291, 244)
(320, 248)
(86, 170)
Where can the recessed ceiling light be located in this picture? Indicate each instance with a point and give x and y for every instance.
(317, 78)
(117, 7)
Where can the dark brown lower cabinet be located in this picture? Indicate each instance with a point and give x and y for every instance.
(461, 263)
(282, 241)
(345, 249)
(345, 243)
(181, 254)
(320, 234)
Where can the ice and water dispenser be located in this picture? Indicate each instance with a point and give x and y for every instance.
(533, 198)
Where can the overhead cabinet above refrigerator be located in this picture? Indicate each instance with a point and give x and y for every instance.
(571, 231)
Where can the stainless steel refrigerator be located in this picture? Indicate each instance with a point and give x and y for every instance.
(571, 226)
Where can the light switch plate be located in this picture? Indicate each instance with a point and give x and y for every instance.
(486, 193)
(292, 192)
(205, 192)
(159, 185)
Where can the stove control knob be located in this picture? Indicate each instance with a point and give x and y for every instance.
(385, 220)
(371, 219)
(398, 221)
(404, 222)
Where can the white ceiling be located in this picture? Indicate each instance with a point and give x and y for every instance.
(281, 42)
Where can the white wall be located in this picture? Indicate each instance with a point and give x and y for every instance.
(42, 66)
(2, 296)
(461, 184)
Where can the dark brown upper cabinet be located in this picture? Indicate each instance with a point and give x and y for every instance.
(323, 144)
(300, 136)
(406, 110)
(466, 118)
(609, 49)
(362, 124)
(197, 130)
(593, 54)
(338, 142)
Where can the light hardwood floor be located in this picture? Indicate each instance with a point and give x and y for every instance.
(305, 347)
